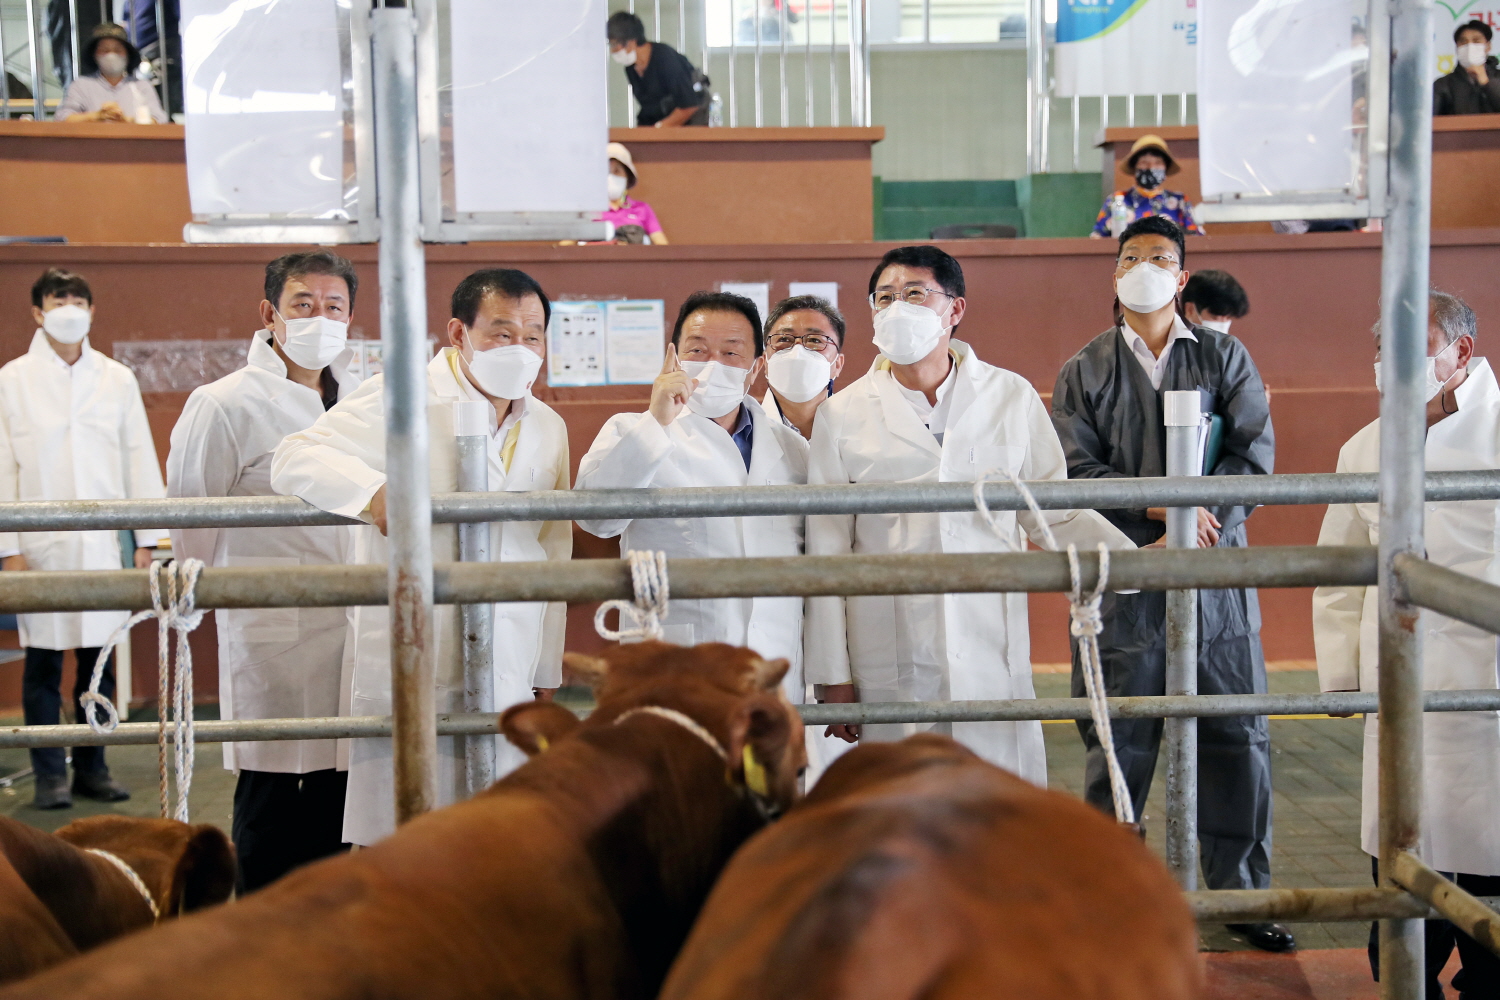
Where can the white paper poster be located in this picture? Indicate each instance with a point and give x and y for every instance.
(1125, 47)
(1276, 97)
(637, 338)
(758, 292)
(828, 291)
(575, 344)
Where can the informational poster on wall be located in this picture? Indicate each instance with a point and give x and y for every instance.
(636, 335)
(1107, 47)
(758, 292)
(575, 344)
(605, 342)
(1447, 15)
(828, 291)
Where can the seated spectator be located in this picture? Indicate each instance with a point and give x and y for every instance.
(1473, 88)
(1214, 299)
(670, 91)
(108, 91)
(1150, 163)
(634, 221)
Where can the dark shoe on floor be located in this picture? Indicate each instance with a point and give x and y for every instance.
(1266, 937)
(100, 786)
(52, 792)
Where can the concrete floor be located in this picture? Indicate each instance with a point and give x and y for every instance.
(1315, 776)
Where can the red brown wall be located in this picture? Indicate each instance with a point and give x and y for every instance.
(1032, 304)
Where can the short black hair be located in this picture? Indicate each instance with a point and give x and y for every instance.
(1157, 225)
(945, 270)
(503, 281)
(305, 262)
(1216, 293)
(813, 302)
(1474, 25)
(720, 302)
(626, 27)
(57, 282)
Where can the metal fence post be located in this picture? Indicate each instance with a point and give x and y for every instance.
(471, 434)
(34, 51)
(403, 323)
(1183, 421)
(1403, 432)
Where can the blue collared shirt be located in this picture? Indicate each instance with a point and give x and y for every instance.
(744, 434)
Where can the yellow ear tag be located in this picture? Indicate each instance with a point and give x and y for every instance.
(755, 774)
(542, 743)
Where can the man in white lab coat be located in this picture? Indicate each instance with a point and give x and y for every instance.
(498, 335)
(804, 355)
(929, 410)
(72, 427)
(701, 429)
(275, 663)
(1461, 750)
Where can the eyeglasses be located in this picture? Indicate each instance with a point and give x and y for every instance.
(815, 342)
(915, 295)
(1161, 260)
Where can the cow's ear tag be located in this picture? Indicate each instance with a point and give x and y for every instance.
(755, 774)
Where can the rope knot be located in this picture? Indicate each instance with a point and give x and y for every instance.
(648, 576)
(177, 612)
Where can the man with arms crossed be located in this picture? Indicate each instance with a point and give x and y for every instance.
(275, 663)
(498, 338)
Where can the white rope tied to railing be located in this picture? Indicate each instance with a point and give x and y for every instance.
(176, 613)
(1085, 623)
(648, 574)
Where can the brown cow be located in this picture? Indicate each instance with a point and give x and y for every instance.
(578, 876)
(58, 897)
(915, 869)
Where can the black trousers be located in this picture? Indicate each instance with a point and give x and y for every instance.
(1480, 975)
(284, 821)
(41, 702)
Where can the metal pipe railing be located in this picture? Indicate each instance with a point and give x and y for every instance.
(860, 713)
(1240, 906)
(749, 501)
(582, 581)
(1456, 595)
(1467, 912)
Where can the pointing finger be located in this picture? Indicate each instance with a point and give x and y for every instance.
(669, 360)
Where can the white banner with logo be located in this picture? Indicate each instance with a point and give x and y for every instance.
(1125, 47)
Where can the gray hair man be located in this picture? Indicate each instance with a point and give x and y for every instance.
(804, 355)
(1461, 751)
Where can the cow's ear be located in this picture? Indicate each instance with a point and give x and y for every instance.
(533, 726)
(766, 674)
(590, 669)
(761, 748)
(204, 872)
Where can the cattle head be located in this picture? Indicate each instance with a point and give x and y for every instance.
(730, 691)
(186, 867)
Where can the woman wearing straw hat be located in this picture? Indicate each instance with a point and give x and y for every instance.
(1149, 165)
(635, 222)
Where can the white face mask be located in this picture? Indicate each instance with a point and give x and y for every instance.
(112, 64)
(1221, 325)
(720, 387)
(1472, 54)
(623, 57)
(313, 341)
(67, 324)
(616, 187)
(907, 333)
(506, 372)
(1145, 288)
(1431, 385)
(799, 374)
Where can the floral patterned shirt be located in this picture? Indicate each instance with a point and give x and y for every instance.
(1170, 204)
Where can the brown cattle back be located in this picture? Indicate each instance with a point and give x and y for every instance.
(916, 870)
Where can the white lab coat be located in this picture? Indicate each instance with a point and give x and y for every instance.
(1461, 750)
(937, 647)
(274, 663)
(73, 432)
(337, 465)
